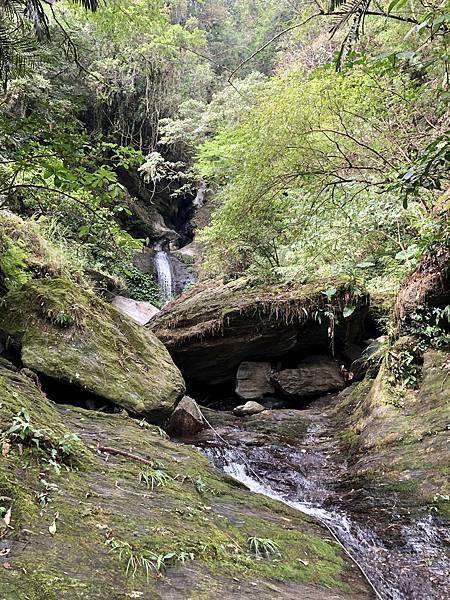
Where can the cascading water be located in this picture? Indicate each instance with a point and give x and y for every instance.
(164, 274)
(410, 567)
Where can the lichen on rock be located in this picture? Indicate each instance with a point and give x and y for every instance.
(68, 334)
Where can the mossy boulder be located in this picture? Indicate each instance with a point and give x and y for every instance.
(68, 334)
(399, 436)
(74, 530)
(215, 326)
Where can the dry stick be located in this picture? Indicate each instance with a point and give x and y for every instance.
(109, 450)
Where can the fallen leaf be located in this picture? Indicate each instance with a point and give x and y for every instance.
(52, 528)
(5, 551)
(7, 565)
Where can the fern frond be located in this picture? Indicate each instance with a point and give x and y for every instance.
(91, 5)
(348, 10)
(16, 53)
(36, 14)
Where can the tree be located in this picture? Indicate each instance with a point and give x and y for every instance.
(22, 23)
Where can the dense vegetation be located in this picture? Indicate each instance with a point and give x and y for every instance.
(295, 155)
(326, 149)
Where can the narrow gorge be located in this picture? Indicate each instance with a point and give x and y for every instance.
(224, 300)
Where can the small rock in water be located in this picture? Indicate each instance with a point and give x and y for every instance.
(249, 408)
(187, 419)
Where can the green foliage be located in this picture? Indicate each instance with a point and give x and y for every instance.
(263, 547)
(329, 173)
(56, 453)
(426, 327)
(145, 560)
(19, 20)
(142, 286)
(13, 267)
(299, 191)
(154, 477)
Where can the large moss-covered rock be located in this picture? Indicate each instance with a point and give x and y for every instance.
(399, 437)
(68, 334)
(215, 326)
(73, 531)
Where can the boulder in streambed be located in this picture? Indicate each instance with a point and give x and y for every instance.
(249, 408)
(314, 376)
(253, 380)
(215, 326)
(70, 335)
(187, 419)
(141, 312)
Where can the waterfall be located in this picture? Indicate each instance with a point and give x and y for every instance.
(164, 273)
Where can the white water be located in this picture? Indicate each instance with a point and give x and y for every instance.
(394, 573)
(164, 273)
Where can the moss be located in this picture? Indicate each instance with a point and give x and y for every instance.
(401, 434)
(211, 306)
(349, 438)
(106, 500)
(69, 334)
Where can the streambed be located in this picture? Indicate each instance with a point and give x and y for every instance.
(402, 556)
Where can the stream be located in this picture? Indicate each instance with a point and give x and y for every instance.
(401, 557)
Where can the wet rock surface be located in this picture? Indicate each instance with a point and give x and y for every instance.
(313, 376)
(101, 502)
(400, 542)
(253, 380)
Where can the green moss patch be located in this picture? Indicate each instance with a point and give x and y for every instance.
(400, 436)
(69, 334)
(199, 519)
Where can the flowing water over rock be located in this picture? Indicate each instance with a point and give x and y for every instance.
(164, 274)
(402, 557)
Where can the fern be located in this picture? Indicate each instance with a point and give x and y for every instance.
(353, 12)
(22, 22)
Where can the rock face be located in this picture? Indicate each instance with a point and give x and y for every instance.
(189, 254)
(72, 336)
(214, 326)
(253, 380)
(187, 419)
(314, 376)
(400, 436)
(249, 408)
(182, 275)
(140, 312)
(429, 284)
(144, 260)
(103, 499)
